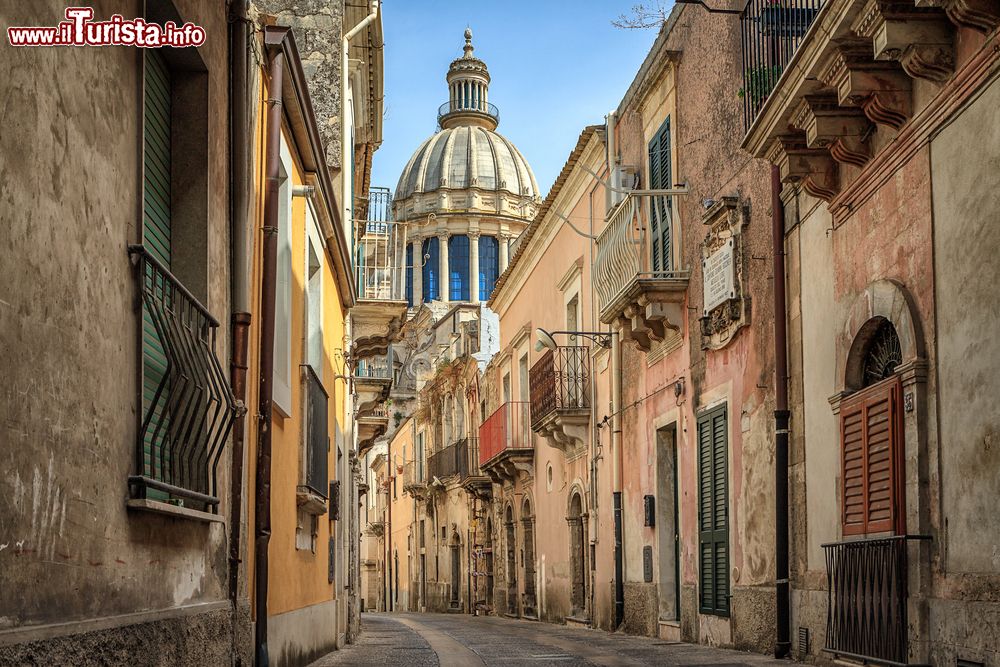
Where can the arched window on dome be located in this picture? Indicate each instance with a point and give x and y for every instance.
(489, 265)
(409, 274)
(458, 268)
(432, 288)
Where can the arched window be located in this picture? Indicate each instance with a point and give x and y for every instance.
(409, 274)
(431, 287)
(458, 268)
(489, 265)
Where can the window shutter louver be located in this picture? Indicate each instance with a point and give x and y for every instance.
(870, 438)
(713, 512)
(156, 237)
(659, 218)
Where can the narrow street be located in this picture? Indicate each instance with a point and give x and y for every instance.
(459, 640)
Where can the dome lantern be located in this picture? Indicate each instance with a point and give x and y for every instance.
(468, 92)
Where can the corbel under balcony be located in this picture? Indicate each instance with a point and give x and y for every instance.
(509, 464)
(646, 309)
(565, 430)
(371, 427)
(371, 393)
(375, 325)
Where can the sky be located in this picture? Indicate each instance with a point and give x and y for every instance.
(556, 67)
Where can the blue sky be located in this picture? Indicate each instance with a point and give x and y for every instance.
(556, 66)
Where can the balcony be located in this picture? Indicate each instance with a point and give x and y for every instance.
(635, 293)
(480, 112)
(867, 603)
(371, 426)
(380, 310)
(311, 494)
(187, 406)
(844, 104)
(450, 461)
(560, 397)
(372, 381)
(770, 33)
(505, 442)
(414, 479)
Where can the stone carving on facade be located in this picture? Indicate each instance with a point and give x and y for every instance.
(881, 89)
(725, 221)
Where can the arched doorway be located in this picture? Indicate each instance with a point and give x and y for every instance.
(490, 563)
(577, 555)
(528, 537)
(511, 544)
(455, 552)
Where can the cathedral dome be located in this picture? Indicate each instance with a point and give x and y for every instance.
(467, 166)
(467, 156)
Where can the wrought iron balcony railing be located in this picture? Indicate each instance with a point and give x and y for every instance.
(378, 367)
(771, 32)
(507, 429)
(316, 431)
(559, 381)
(866, 608)
(450, 460)
(632, 257)
(188, 407)
(414, 474)
(378, 250)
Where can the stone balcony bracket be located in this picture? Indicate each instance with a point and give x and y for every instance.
(507, 465)
(881, 89)
(371, 392)
(375, 325)
(566, 429)
(369, 429)
(812, 168)
(647, 308)
(844, 131)
(919, 38)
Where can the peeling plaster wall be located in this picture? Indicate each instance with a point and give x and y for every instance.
(69, 206)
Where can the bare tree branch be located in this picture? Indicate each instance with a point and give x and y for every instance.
(642, 16)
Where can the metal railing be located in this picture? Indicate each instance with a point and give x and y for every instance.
(623, 248)
(506, 429)
(378, 368)
(315, 432)
(187, 417)
(771, 32)
(472, 457)
(866, 608)
(450, 460)
(378, 251)
(477, 106)
(560, 380)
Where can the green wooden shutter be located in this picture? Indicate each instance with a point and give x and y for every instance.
(660, 178)
(713, 512)
(156, 237)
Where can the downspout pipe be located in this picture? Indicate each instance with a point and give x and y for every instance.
(239, 196)
(616, 474)
(782, 646)
(269, 261)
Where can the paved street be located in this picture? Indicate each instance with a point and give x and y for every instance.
(456, 640)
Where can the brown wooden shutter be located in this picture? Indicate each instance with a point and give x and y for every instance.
(871, 468)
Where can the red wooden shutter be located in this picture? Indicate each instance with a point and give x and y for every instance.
(870, 436)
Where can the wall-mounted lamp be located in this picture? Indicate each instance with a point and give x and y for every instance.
(544, 339)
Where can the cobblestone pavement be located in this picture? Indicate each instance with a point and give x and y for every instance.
(454, 640)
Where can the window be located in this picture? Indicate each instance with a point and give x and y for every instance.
(409, 274)
(314, 294)
(458, 268)
(573, 316)
(431, 288)
(306, 530)
(420, 457)
(181, 426)
(283, 291)
(660, 213)
(713, 512)
(489, 265)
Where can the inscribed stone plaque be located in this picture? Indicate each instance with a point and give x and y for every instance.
(647, 564)
(718, 276)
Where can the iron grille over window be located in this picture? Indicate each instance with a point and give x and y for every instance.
(771, 32)
(316, 432)
(187, 416)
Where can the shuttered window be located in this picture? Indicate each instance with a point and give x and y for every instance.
(870, 433)
(713, 512)
(660, 177)
(156, 237)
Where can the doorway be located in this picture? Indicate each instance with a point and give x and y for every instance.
(455, 550)
(511, 563)
(577, 556)
(667, 534)
(528, 536)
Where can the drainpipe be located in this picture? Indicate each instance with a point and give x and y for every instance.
(389, 562)
(782, 646)
(616, 474)
(269, 260)
(239, 196)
